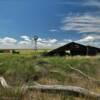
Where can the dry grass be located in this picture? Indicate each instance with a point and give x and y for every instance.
(45, 96)
(21, 69)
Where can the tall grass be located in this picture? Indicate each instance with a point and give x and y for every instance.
(23, 69)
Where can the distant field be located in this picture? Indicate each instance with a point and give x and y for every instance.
(19, 69)
(29, 51)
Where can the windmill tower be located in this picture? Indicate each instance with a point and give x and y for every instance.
(35, 42)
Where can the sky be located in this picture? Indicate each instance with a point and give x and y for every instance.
(55, 22)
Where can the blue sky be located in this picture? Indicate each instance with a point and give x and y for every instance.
(28, 17)
(56, 22)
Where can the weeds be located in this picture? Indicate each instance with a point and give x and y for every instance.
(21, 69)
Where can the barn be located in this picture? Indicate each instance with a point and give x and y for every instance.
(73, 49)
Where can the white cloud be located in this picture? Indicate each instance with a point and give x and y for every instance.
(67, 40)
(47, 43)
(52, 40)
(81, 23)
(87, 39)
(24, 43)
(95, 3)
(91, 39)
(27, 43)
(53, 30)
(39, 39)
(26, 38)
(47, 40)
(9, 43)
(8, 40)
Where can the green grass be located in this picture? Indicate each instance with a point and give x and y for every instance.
(22, 69)
(22, 66)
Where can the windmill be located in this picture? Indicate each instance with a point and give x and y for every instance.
(35, 42)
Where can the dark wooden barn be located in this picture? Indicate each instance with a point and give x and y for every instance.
(92, 50)
(73, 49)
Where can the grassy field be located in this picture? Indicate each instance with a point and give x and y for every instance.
(25, 68)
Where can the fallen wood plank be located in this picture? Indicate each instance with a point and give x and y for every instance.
(4, 83)
(85, 75)
(67, 90)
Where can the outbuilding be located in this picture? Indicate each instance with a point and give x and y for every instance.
(73, 49)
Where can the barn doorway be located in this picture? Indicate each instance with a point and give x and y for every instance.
(68, 52)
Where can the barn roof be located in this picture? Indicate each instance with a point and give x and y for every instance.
(70, 46)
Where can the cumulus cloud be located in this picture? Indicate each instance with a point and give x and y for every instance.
(81, 23)
(50, 43)
(26, 38)
(42, 40)
(47, 43)
(91, 39)
(42, 43)
(7, 41)
(53, 40)
(26, 42)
